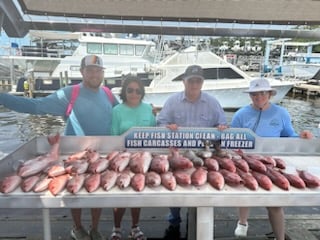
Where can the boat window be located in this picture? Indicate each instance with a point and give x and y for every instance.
(94, 48)
(140, 50)
(126, 49)
(110, 49)
(216, 74)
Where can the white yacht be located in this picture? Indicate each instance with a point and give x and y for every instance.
(223, 80)
(121, 56)
(53, 59)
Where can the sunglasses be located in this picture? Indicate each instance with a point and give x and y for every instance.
(262, 93)
(131, 90)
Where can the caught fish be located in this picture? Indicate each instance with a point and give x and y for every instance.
(226, 163)
(160, 163)
(153, 179)
(263, 180)
(199, 177)
(197, 161)
(310, 180)
(241, 164)
(219, 152)
(36, 165)
(28, 183)
(108, 179)
(294, 179)
(140, 163)
(280, 163)
(177, 161)
(255, 164)
(120, 161)
(56, 170)
(278, 179)
(123, 180)
(206, 152)
(216, 180)
(231, 178)
(168, 181)
(183, 177)
(211, 164)
(77, 167)
(54, 152)
(77, 156)
(112, 155)
(57, 184)
(42, 184)
(98, 165)
(138, 182)
(30, 169)
(10, 183)
(92, 155)
(248, 179)
(75, 183)
(92, 182)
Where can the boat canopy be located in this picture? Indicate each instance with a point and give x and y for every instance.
(169, 17)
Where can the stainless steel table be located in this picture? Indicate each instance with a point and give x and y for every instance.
(298, 154)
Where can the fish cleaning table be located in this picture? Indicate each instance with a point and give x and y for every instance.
(297, 153)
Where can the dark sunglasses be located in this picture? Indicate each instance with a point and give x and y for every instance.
(131, 90)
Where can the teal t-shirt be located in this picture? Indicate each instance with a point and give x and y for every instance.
(125, 117)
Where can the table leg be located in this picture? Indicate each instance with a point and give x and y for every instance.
(205, 223)
(46, 224)
(192, 220)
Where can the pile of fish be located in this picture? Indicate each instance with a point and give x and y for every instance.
(91, 170)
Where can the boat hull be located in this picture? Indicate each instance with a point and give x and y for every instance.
(229, 98)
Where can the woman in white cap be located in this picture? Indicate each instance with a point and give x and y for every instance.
(266, 120)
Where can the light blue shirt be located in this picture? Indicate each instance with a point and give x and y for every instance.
(205, 112)
(91, 114)
(274, 121)
(125, 117)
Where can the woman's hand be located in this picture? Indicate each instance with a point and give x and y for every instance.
(306, 134)
(172, 127)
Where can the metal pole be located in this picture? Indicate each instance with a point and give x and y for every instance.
(46, 224)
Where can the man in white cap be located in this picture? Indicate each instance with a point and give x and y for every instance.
(266, 120)
(189, 108)
(89, 115)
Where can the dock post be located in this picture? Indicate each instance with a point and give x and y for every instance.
(31, 85)
(66, 79)
(60, 80)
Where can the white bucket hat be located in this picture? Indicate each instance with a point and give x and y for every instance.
(260, 85)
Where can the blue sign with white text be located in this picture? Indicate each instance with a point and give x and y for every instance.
(233, 138)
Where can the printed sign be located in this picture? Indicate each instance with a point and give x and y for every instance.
(233, 138)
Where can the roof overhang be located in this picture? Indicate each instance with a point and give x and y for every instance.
(161, 16)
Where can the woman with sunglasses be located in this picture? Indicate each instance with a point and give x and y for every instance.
(266, 120)
(131, 112)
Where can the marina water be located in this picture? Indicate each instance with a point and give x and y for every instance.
(18, 128)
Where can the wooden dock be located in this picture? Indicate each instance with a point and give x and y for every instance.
(306, 89)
